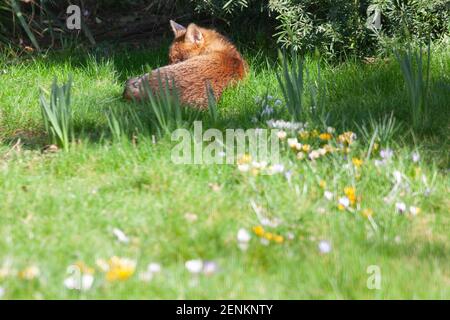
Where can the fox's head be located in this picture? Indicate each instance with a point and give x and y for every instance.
(193, 41)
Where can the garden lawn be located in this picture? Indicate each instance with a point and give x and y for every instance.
(61, 208)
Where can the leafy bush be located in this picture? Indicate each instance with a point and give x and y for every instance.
(339, 27)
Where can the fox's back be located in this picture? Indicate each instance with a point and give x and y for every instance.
(198, 57)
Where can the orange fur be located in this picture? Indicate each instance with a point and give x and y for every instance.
(197, 56)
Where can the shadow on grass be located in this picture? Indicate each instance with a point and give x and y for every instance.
(355, 92)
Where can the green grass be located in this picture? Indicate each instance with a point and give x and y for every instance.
(60, 208)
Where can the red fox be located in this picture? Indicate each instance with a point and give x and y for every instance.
(197, 57)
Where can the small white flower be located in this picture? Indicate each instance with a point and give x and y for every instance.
(243, 167)
(265, 242)
(259, 165)
(292, 142)
(276, 168)
(243, 236)
(120, 235)
(190, 217)
(269, 97)
(397, 176)
(331, 130)
(281, 135)
(210, 267)
(288, 175)
(344, 201)
(386, 154)
(400, 207)
(194, 266)
(313, 155)
(278, 102)
(2, 292)
(154, 267)
(397, 239)
(328, 195)
(380, 163)
(290, 236)
(146, 276)
(415, 157)
(414, 210)
(324, 246)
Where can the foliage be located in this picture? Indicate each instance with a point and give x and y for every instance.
(416, 73)
(57, 114)
(338, 28)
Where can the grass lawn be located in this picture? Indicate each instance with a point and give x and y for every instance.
(61, 208)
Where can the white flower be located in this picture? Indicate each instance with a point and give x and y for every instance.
(79, 282)
(344, 201)
(414, 210)
(120, 235)
(288, 175)
(278, 102)
(269, 97)
(243, 167)
(292, 142)
(281, 135)
(243, 236)
(324, 246)
(276, 168)
(386, 153)
(379, 163)
(290, 236)
(265, 242)
(313, 155)
(328, 195)
(210, 267)
(331, 130)
(2, 292)
(259, 165)
(154, 267)
(190, 217)
(401, 207)
(194, 266)
(146, 276)
(102, 265)
(415, 157)
(30, 273)
(397, 176)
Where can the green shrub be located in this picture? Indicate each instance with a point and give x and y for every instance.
(338, 28)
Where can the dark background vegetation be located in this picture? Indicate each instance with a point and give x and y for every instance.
(335, 28)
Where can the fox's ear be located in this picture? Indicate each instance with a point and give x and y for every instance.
(193, 34)
(177, 29)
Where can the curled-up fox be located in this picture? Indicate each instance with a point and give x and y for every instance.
(198, 58)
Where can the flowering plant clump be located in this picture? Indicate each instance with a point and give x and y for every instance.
(349, 200)
(117, 269)
(267, 236)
